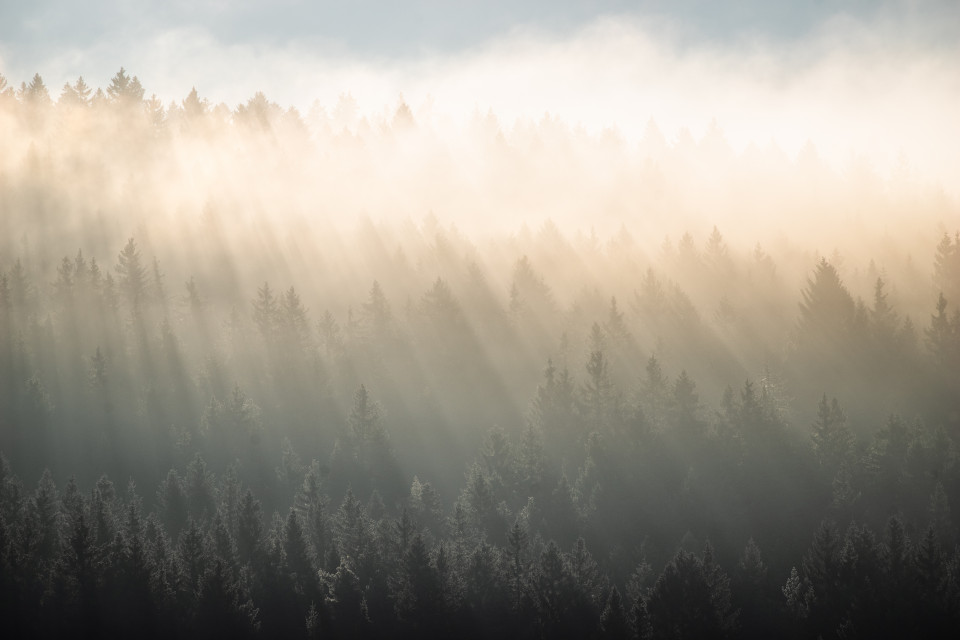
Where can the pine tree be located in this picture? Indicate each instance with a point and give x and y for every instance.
(614, 624)
(827, 310)
(199, 484)
(529, 295)
(291, 321)
(717, 257)
(530, 460)
(751, 593)
(554, 589)
(64, 286)
(132, 275)
(616, 327)
(419, 600)
(365, 417)
(329, 332)
(822, 570)
(156, 116)
(124, 90)
(230, 494)
(173, 504)
(234, 422)
(651, 301)
(940, 520)
(159, 290)
(689, 600)
(351, 523)
(348, 607)
(45, 504)
(946, 266)
(685, 406)
(496, 455)
(376, 314)
(939, 334)
(655, 393)
(22, 293)
(832, 441)
(554, 406)
(585, 571)
(72, 503)
(249, 528)
(861, 575)
(193, 107)
(799, 595)
(883, 319)
(641, 619)
(223, 610)
(223, 546)
(402, 532)
(930, 584)
(82, 91)
(719, 585)
(68, 96)
(480, 500)
(130, 579)
(297, 553)
(80, 564)
(518, 541)
(265, 312)
(311, 505)
(427, 506)
(191, 550)
(36, 94)
(598, 389)
(101, 514)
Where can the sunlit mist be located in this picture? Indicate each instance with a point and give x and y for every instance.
(591, 322)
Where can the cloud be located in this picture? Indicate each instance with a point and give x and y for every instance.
(878, 88)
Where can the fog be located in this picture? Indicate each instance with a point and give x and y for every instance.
(496, 337)
(845, 85)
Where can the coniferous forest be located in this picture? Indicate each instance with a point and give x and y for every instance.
(264, 374)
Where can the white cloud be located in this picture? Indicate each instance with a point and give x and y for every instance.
(854, 88)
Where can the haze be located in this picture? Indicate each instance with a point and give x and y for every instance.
(446, 320)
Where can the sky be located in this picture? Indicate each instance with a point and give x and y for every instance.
(879, 79)
(34, 34)
(32, 30)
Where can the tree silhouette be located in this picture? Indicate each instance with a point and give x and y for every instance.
(124, 90)
(826, 310)
(132, 276)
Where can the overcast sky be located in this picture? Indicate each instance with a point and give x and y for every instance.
(878, 77)
(62, 36)
(32, 30)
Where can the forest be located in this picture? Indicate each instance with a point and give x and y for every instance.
(265, 374)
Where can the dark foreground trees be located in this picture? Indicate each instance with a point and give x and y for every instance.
(95, 564)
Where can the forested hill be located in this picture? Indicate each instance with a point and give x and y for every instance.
(218, 420)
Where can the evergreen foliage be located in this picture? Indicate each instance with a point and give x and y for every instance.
(467, 447)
